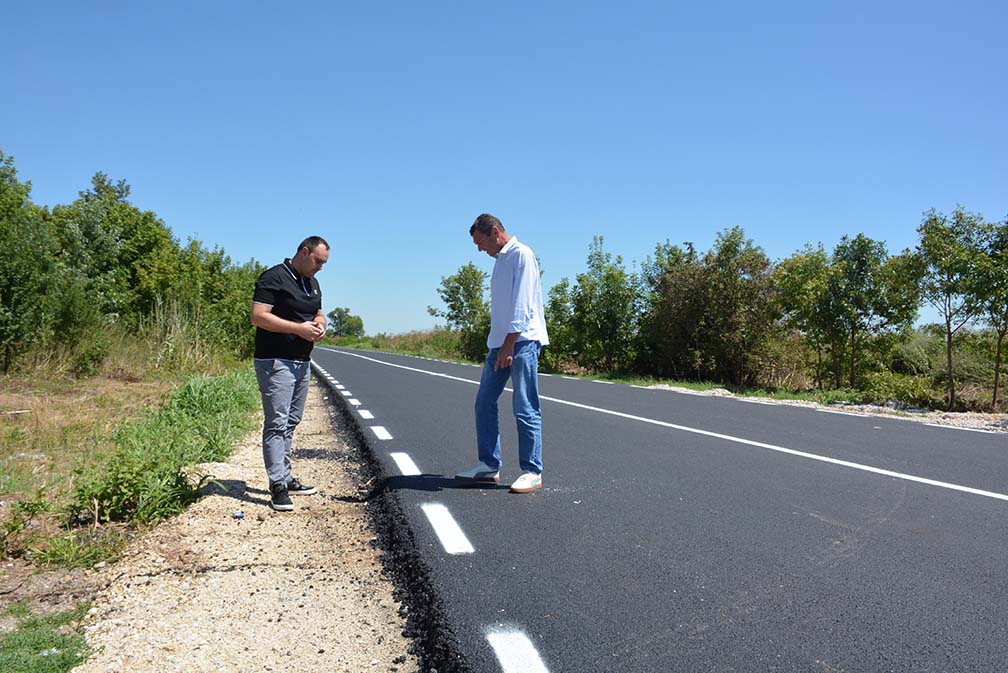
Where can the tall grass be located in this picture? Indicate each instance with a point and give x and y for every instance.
(437, 343)
(148, 476)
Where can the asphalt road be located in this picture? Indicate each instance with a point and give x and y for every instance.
(680, 532)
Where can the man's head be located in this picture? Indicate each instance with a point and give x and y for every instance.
(488, 234)
(312, 253)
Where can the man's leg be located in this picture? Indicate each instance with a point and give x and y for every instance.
(301, 372)
(487, 431)
(525, 402)
(276, 385)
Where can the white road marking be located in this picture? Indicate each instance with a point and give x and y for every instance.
(515, 651)
(451, 536)
(728, 438)
(354, 401)
(340, 387)
(380, 432)
(364, 413)
(955, 427)
(840, 413)
(346, 393)
(405, 464)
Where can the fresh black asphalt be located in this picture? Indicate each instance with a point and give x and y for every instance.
(657, 549)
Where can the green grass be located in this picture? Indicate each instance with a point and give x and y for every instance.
(148, 475)
(43, 643)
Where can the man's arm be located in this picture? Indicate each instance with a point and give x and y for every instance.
(262, 317)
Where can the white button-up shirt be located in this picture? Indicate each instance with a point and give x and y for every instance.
(516, 303)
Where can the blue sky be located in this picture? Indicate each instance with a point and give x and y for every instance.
(387, 127)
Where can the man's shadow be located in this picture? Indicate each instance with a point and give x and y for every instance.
(237, 489)
(431, 483)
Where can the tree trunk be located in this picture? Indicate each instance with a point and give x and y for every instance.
(997, 365)
(948, 362)
(853, 357)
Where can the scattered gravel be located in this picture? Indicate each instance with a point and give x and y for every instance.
(972, 420)
(298, 591)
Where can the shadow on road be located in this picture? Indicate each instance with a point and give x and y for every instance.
(431, 483)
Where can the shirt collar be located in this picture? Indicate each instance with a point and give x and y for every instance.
(512, 242)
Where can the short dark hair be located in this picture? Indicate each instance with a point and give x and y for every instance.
(484, 223)
(312, 242)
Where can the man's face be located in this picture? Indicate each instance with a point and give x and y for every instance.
(487, 242)
(313, 260)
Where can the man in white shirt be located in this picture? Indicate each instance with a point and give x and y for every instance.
(517, 335)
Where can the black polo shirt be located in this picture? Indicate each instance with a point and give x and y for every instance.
(293, 297)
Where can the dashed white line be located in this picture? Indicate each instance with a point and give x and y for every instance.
(451, 536)
(346, 393)
(515, 651)
(380, 432)
(364, 413)
(405, 464)
(340, 387)
(354, 401)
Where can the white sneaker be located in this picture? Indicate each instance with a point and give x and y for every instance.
(527, 482)
(480, 473)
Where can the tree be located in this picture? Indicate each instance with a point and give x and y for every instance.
(26, 276)
(740, 307)
(468, 311)
(672, 295)
(872, 293)
(342, 323)
(559, 320)
(993, 273)
(604, 306)
(804, 283)
(949, 252)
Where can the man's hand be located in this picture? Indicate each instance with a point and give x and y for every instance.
(311, 331)
(505, 356)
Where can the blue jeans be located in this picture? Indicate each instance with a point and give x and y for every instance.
(283, 385)
(524, 376)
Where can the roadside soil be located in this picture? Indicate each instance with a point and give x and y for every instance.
(299, 591)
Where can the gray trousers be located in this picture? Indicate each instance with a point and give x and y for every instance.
(283, 385)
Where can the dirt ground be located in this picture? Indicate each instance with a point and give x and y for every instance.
(206, 591)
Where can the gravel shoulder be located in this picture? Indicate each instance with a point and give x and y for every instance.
(300, 591)
(970, 420)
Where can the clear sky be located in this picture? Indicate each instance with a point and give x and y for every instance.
(387, 127)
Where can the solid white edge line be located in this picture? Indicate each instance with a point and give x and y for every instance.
(365, 414)
(451, 536)
(955, 427)
(381, 432)
(730, 438)
(405, 464)
(515, 652)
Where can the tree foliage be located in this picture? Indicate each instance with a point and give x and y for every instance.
(467, 308)
(343, 323)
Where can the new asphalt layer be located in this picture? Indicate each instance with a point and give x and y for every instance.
(679, 532)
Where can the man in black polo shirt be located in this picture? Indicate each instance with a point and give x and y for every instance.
(287, 314)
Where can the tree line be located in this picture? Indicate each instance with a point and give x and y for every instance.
(76, 277)
(840, 319)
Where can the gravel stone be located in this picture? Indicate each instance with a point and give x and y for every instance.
(298, 591)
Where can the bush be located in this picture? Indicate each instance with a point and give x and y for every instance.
(910, 358)
(147, 477)
(892, 387)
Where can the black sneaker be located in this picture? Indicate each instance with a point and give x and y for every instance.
(279, 500)
(295, 487)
